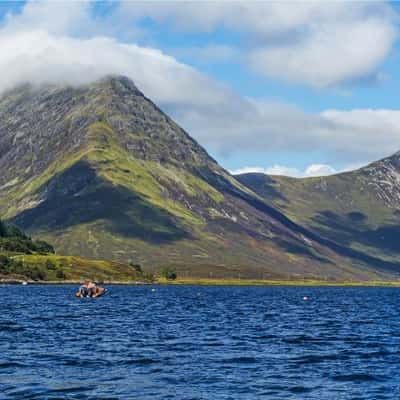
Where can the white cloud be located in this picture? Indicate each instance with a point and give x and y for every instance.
(218, 118)
(245, 125)
(260, 18)
(319, 170)
(55, 17)
(311, 170)
(332, 55)
(40, 57)
(316, 43)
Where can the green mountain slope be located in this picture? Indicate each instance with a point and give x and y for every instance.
(359, 209)
(101, 172)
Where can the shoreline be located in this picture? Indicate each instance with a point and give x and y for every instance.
(294, 283)
(216, 282)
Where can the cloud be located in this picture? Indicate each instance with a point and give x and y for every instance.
(320, 44)
(334, 55)
(216, 116)
(245, 125)
(53, 17)
(39, 45)
(311, 170)
(209, 53)
(319, 170)
(39, 57)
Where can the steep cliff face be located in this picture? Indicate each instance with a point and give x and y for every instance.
(100, 171)
(359, 209)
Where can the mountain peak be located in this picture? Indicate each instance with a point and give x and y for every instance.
(117, 82)
(101, 171)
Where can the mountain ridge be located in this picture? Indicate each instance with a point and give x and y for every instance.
(104, 173)
(359, 209)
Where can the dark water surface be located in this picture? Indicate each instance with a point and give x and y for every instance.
(200, 343)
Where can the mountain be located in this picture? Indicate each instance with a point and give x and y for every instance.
(358, 209)
(100, 171)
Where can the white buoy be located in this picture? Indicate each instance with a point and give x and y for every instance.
(24, 283)
(153, 290)
(305, 298)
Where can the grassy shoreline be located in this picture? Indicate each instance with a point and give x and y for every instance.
(219, 282)
(256, 282)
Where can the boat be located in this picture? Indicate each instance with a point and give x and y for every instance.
(100, 291)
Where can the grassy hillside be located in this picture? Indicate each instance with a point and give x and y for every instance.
(66, 268)
(24, 258)
(13, 239)
(359, 209)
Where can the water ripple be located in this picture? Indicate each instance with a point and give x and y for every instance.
(200, 343)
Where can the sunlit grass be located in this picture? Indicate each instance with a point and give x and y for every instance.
(256, 282)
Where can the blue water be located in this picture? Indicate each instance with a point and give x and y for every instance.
(200, 343)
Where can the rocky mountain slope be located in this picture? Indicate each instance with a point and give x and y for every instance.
(358, 209)
(101, 172)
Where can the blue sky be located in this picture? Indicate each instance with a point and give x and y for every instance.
(293, 88)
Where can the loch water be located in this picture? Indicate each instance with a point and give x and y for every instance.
(193, 342)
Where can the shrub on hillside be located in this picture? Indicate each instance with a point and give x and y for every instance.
(8, 265)
(169, 273)
(43, 247)
(136, 267)
(50, 265)
(9, 230)
(35, 273)
(15, 244)
(60, 274)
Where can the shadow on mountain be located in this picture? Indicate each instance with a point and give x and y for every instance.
(352, 227)
(341, 248)
(291, 245)
(265, 185)
(356, 216)
(79, 196)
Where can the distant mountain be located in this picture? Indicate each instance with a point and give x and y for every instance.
(100, 171)
(358, 209)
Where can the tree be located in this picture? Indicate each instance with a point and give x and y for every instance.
(43, 247)
(50, 265)
(3, 229)
(36, 274)
(60, 274)
(137, 267)
(169, 273)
